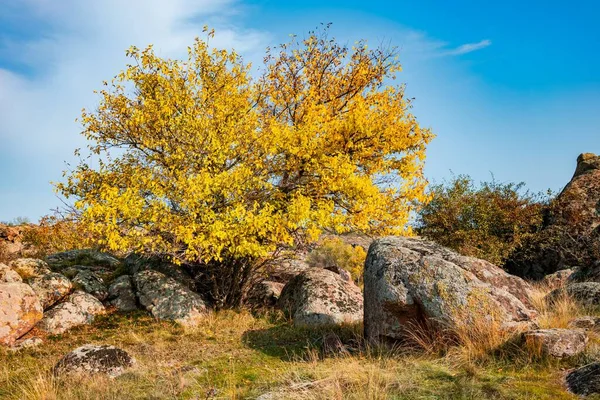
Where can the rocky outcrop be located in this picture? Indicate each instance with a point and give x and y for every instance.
(95, 359)
(557, 343)
(318, 297)
(121, 294)
(409, 280)
(265, 294)
(91, 283)
(50, 288)
(584, 381)
(585, 293)
(20, 310)
(570, 233)
(29, 267)
(168, 299)
(80, 308)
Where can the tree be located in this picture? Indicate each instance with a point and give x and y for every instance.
(487, 221)
(203, 162)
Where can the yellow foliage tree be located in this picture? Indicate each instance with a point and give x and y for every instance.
(203, 162)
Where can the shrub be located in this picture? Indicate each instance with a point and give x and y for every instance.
(487, 221)
(334, 252)
(54, 234)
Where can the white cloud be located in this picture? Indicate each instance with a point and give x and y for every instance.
(469, 48)
(84, 44)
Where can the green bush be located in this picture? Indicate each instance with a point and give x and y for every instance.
(487, 221)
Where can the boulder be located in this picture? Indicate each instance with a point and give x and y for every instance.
(584, 381)
(410, 280)
(167, 299)
(29, 267)
(265, 294)
(559, 279)
(82, 257)
(91, 283)
(26, 344)
(135, 263)
(50, 288)
(20, 310)
(80, 308)
(555, 342)
(319, 297)
(121, 294)
(586, 323)
(95, 359)
(7, 274)
(585, 293)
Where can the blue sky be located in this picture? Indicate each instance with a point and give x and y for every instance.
(510, 88)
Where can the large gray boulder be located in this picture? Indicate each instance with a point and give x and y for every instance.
(319, 297)
(121, 294)
(20, 310)
(95, 359)
(50, 288)
(409, 280)
(80, 308)
(557, 343)
(167, 299)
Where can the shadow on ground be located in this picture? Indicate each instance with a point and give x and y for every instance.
(291, 343)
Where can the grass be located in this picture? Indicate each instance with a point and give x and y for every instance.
(239, 355)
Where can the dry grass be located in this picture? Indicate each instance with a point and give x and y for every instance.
(238, 355)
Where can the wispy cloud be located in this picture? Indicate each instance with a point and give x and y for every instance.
(469, 48)
(47, 76)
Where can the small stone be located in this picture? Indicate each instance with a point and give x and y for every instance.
(94, 359)
(26, 344)
(556, 343)
(584, 381)
(585, 323)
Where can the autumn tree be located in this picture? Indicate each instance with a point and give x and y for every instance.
(222, 170)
